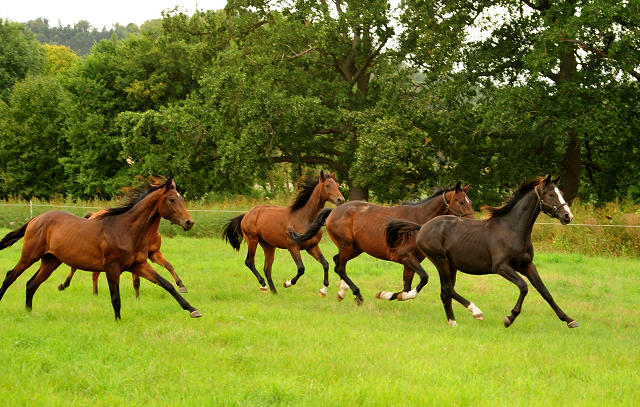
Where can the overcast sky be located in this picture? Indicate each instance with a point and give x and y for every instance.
(99, 14)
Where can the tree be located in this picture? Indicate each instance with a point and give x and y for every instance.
(550, 73)
(20, 55)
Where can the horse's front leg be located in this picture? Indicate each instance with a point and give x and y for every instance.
(158, 258)
(407, 277)
(145, 270)
(506, 271)
(317, 254)
(532, 274)
(113, 279)
(295, 255)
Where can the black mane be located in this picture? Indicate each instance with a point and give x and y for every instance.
(517, 196)
(437, 192)
(135, 195)
(306, 186)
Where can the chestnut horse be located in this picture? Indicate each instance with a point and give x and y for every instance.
(267, 225)
(154, 240)
(358, 227)
(113, 243)
(499, 245)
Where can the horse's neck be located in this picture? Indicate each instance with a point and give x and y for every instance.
(142, 217)
(314, 205)
(523, 215)
(425, 211)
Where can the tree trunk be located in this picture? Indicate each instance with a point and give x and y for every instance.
(358, 193)
(572, 165)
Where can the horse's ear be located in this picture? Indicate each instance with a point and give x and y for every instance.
(465, 189)
(333, 176)
(547, 179)
(556, 179)
(457, 187)
(170, 184)
(321, 175)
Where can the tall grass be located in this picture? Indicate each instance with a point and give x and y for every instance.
(297, 349)
(211, 215)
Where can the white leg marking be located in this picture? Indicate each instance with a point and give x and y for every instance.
(287, 284)
(452, 322)
(477, 314)
(344, 287)
(384, 295)
(323, 291)
(264, 289)
(410, 295)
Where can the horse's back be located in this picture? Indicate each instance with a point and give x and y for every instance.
(268, 223)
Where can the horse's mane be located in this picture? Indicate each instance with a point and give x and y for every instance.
(306, 185)
(437, 192)
(517, 196)
(135, 195)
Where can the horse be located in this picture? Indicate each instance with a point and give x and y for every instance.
(267, 225)
(500, 244)
(359, 226)
(154, 240)
(114, 242)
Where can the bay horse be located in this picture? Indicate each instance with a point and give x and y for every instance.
(113, 243)
(154, 241)
(500, 244)
(359, 226)
(267, 225)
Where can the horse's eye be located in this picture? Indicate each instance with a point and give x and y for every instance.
(171, 200)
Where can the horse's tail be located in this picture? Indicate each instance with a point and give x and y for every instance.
(13, 236)
(398, 231)
(232, 232)
(317, 224)
(89, 215)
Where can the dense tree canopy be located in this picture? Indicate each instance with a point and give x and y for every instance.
(488, 92)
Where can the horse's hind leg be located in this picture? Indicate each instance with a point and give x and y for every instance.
(532, 274)
(407, 277)
(346, 282)
(295, 254)
(269, 255)
(471, 307)
(23, 264)
(67, 282)
(146, 271)
(136, 284)
(158, 258)
(47, 266)
(251, 263)
(317, 254)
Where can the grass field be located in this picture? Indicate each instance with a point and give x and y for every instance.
(297, 349)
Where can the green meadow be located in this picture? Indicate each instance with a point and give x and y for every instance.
(298, 349)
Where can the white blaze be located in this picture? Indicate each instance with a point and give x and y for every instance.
(562, 201)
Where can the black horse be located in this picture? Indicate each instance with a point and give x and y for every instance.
(500, 244)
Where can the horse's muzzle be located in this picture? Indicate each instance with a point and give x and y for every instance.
(339, 201)
(187, 225)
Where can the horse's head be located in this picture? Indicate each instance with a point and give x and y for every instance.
(458, 203)
(329, 189)
(171, 206)
(551, 201)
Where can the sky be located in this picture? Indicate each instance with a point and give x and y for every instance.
(99, 14)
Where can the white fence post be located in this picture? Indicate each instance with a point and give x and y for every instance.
(31, 209)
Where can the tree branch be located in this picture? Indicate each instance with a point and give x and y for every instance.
(328, 131)
(591, 164)
(587, 47)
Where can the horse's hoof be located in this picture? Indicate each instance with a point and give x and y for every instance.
(379, 295)
(452, 322)
(358, 301)
(264, 289)
(340, 298)
(507, 322)
(573, 324)
(323, 291)
(195, 314)
(61, 287)
(183, 289)
(400, 296)
(479, 317)
(287, 284)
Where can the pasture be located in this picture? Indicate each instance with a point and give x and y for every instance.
(297, 349)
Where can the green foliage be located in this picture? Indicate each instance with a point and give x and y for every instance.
(32, 139)
(20, 55)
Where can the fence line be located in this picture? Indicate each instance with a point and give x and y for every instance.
(31, 205)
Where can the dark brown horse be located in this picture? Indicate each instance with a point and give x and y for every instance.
(358, 227)
(499, 245)
(267, 225)
(113, 243)
(154, 241)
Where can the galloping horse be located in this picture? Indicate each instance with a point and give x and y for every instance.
(113, 243)
(267, 225)
(154, 241)
(358, 226)
(499, 245)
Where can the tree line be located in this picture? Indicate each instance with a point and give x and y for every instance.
(395, 101)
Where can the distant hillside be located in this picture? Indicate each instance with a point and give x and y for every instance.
(81, 37)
